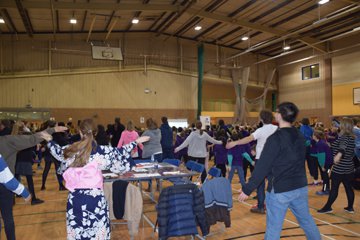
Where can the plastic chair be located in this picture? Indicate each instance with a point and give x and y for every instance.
(198, 167)
(190, 164)
(214, 172)
(175, 162)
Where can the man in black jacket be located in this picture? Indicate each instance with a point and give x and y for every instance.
(282, 161)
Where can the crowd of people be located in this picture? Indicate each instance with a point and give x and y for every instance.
(275, 149)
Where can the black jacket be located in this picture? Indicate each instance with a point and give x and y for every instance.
(180, 209)
(282, 161)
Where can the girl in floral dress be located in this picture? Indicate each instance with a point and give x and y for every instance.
(87, 214)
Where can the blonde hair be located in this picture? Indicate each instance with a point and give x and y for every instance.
(18, 128)
(130, 126)
(81, 150)
(346, 126)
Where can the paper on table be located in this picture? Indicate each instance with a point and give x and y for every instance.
(139, 170)
(142, 175)
(173, 173)
(145, 165)
(109, 175)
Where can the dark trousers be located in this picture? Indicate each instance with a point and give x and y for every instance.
(202, 161)
(313, 166)
(168, 153)
(260, 192)
(325, 178)
(336, 179)
(6, 208)
(222, 167)
(246, 165)
(48, 163)
(30, 183)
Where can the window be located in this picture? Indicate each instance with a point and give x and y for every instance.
(310, 72)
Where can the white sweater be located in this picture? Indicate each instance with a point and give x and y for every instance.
(196, 144)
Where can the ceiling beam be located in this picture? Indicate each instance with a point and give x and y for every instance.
(24, 17)
(136, 15)
(9, 23)
(53, 22)
(239, 22)
(91, 28)
(84, 19)
(177, 16)
(111, 28)
(111, 17)
(93, 6)
(352, 1)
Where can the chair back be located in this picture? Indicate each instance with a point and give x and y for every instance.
(198, 167)
(175, 162)
(214, 172)
(190, 164)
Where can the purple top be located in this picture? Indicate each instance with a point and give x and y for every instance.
(237, 153)
(322, 147)
(220, 153)
(178, 142)
(331, 137)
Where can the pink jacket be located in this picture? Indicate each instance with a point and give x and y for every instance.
(88, 176)
(128, 137)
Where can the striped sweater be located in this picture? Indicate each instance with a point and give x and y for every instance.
(7, 178)
(344, 144)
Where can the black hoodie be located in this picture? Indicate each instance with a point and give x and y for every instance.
(282, 161)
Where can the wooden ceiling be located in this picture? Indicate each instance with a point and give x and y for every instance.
(269, 24)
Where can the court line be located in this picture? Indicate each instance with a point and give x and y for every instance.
(248, 204)
(344, 229)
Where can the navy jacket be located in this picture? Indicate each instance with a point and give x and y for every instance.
(180, 209)
(166, 136)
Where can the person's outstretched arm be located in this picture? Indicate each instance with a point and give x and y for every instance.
(240, 142)
(10, 182)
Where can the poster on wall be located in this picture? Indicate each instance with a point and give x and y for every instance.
(356, 96)
(205, 120)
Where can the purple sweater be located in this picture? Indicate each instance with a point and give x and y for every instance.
(178, 142)
(237, 153)
(220, 153)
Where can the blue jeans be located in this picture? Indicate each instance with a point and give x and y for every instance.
(277, 205)
(240, 172)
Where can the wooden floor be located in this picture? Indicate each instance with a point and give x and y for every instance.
(47, 220)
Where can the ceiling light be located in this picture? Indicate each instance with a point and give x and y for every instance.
(313, 66)
(135, 21)
(198, 28)
(287, 47)
(321, 2)
(2, 20)
(73, 21)
(245, 38)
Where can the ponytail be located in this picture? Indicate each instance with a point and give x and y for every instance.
(198, 126)
(81, 150)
